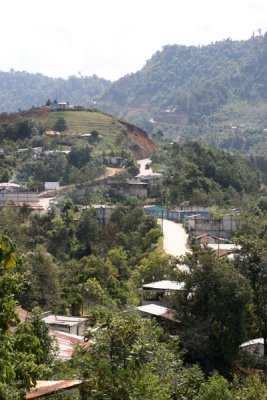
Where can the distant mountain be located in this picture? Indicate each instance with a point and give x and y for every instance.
(195, 86)
(22, 90)
(215, 93)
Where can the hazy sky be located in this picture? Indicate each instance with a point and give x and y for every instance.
(111, 38)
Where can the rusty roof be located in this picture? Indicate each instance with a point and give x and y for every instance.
(66, 343)
(45, 388)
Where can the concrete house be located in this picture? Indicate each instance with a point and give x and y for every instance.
(136, 188)
(206, 238)
(115, 161)
(255, 348)
(223, 227)
(73, 325)
(103, 213)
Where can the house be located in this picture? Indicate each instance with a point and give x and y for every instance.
(255, 348)
(103, 213)
(222, 227)
(206, 238)
(224, 249)
(9, 187)
(18, 197)
(136, 188)
(62, 105)
(73, 325)
(51, 185)
(113, 161)
(132, 187)
(149, 178)
(159, 293)
(36, 152)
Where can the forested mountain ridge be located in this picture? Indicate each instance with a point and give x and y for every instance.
(22, 90)
(187, 92)
(191, 86)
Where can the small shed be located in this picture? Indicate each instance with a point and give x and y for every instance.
(73, 325)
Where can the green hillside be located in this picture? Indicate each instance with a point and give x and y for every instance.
(112, 135)
(189, 91)
(74, 146)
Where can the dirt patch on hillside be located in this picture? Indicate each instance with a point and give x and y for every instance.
(143, 145)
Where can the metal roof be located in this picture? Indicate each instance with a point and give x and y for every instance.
(63, 320)
(153, 309)
(9, 184)
(66, 343)
(45, 388)
(251, 342)
(164, 285)
(224, 246)
(158, 311)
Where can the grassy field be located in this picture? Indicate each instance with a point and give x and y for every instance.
(112, 134)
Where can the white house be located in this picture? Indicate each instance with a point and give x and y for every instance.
(254, 347)
(73, 325)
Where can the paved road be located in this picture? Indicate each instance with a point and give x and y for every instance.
(174, 238)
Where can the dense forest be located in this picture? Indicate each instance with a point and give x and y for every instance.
(189, 85)
(197, 174)
(20, 90)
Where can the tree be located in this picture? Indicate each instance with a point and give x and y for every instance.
(60, 124)
(130, 360)
(43, 288)
(251, 261)
(20, 349)
(87, 232)
(94, 136)
(217, 388)
(79, 157)
(213, 310)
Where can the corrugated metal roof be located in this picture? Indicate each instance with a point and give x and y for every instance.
(45, 388)
(153, 309)
(33, 205)
(251, 342)
(63, 320)
(164, 285)
(66, 343)
(158, 311)
(224, 246)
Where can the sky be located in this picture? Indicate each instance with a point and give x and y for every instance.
(111, 38)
